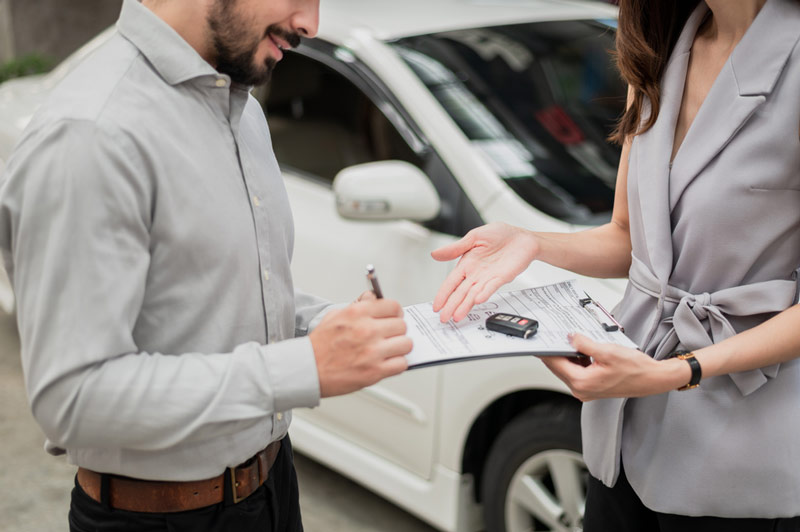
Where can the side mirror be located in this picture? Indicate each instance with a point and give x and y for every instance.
(385, 190)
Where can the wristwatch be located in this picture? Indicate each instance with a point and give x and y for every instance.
(697, 372)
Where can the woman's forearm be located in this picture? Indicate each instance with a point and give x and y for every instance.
(618, 371)
(603, 251)
(774, 341)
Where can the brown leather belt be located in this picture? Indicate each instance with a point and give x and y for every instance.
(153, 496)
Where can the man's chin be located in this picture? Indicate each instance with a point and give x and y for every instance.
(246, 70)
(251, 76)
(264, 74)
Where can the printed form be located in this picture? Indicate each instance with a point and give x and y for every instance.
(556, 307)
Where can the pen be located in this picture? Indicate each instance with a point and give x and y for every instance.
(373, 278)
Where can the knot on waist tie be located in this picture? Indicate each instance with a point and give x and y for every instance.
(701, 319)
(699, 303)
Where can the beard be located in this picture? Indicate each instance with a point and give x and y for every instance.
(235, 50)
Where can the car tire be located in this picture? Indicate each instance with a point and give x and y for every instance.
(535, 476)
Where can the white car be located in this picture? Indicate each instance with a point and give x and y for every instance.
(400, 128)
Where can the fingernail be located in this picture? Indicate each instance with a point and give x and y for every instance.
(570, 337)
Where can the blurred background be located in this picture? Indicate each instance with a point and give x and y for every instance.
(37, 34)
(397, 131)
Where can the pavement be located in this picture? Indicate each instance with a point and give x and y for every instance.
(34, 492)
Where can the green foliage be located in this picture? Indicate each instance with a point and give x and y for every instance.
(25, 66)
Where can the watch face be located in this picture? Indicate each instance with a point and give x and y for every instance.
(678, 353)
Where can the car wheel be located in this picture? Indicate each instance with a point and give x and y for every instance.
(534, 478)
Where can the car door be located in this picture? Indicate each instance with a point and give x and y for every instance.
(323, 117)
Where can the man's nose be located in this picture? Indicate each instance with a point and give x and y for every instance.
(306, 19)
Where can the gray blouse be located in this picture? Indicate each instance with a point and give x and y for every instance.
(716, 242)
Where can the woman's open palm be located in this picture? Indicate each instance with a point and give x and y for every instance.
(491, 255)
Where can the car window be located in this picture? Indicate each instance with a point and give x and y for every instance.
(538, 100)
(321, 122)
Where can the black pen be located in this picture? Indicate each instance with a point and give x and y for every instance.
(372, 278)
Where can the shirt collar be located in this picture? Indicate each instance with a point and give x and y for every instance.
(171, 56)
(760, 57)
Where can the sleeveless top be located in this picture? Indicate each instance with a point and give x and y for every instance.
(715, 248)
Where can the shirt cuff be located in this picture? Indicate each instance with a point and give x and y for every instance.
(292, 370)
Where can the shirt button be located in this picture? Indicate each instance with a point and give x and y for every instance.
(279, 416)
(256, 201)
(266, 275)
(221, 83)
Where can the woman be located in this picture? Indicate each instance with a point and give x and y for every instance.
(706, 225)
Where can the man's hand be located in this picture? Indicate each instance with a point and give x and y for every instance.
(360, 345)
(367, 295)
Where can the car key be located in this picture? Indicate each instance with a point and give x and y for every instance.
(512, 325)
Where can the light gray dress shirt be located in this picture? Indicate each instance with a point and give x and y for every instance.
(716, 244)
(147, 231)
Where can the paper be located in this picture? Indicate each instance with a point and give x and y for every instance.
(557, 308)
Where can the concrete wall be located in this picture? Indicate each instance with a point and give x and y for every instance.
(6, 32)
(54, 28)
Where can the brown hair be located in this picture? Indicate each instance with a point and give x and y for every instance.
(648, 31)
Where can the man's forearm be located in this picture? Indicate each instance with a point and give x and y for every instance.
(152, 401)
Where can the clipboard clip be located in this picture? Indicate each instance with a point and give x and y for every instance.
(597, 311)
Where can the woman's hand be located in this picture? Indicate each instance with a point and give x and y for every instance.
(616, 371)
(491, 256)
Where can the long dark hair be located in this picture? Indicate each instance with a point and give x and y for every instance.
(648, 30)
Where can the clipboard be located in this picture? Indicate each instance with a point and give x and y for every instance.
(560, 308)
(603, 317)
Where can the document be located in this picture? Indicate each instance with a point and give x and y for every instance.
(560, 309)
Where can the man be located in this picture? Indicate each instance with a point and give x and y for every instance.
(145, 226)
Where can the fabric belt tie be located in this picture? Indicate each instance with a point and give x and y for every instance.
(151, 496)
(693, 311)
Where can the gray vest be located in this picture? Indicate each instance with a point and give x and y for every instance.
(716, 242)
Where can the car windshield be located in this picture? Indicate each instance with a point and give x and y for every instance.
(538, 100)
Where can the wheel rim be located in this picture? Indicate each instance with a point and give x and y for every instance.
(547, 493)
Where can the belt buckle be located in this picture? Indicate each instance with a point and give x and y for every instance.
(234, 485)
(258, 479)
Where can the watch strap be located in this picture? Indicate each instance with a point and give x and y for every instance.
(694, 364)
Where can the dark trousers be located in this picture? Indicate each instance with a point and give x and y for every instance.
(274, 507)
(619, 509)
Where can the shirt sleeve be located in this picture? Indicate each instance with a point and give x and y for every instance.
(310, 310)
(75, 214)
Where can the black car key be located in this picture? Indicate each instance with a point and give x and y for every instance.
(513, 325)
